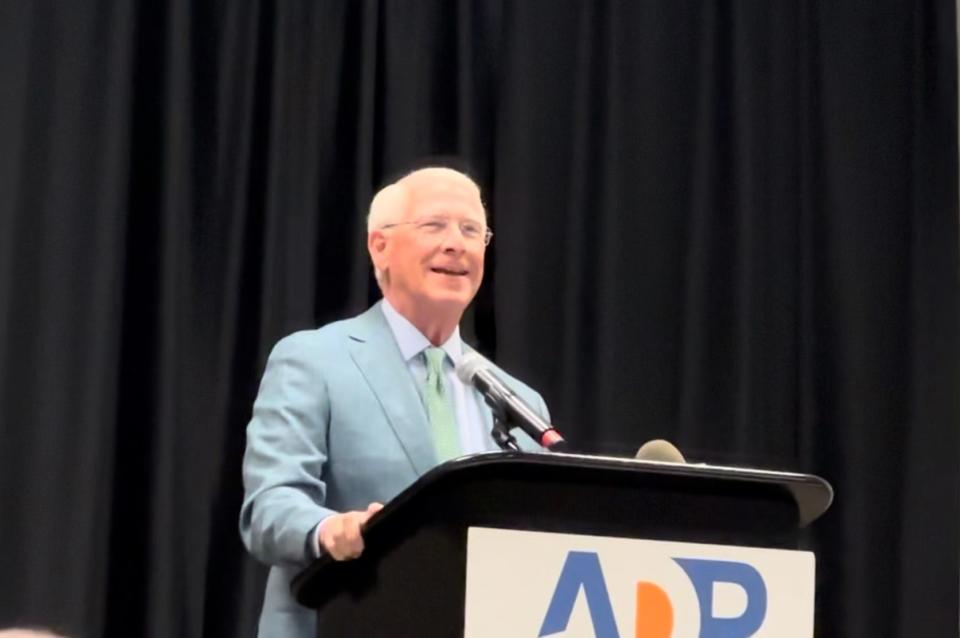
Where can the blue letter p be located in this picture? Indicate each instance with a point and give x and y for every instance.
(704, 573)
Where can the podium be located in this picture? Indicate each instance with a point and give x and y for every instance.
(411, 578)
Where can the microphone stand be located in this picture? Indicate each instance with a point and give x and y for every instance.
(500, 432)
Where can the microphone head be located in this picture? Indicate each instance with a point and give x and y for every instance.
(660, 450)
(469, 365)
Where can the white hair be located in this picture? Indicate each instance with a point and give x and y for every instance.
(391, 201)
(388, 205)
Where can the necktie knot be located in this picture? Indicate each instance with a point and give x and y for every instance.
(435, 357)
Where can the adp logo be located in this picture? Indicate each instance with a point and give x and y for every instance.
(654, 610)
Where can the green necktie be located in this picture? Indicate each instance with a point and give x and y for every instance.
(439, 404)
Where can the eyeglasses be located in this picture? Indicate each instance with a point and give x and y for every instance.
(438, 226)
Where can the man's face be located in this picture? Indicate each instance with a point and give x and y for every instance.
(431, 264)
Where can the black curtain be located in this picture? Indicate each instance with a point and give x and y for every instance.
(731, 224)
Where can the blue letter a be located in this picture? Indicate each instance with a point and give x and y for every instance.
(581, 569)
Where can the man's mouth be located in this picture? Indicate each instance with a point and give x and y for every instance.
(453, 272)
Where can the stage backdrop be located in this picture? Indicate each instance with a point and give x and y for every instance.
(732, 224)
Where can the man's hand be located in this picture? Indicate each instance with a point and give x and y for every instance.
(340, 533)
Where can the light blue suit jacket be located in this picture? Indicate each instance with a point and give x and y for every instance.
(338, 423)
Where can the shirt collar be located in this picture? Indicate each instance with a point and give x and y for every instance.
(412, 342)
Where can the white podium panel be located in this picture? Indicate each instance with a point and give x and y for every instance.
(542, 584)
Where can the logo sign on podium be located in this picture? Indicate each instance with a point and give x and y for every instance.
(537, 584)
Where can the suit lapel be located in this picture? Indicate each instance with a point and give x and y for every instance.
(374, 350)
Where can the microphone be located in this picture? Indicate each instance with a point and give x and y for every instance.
(473, 369)
(660, 450)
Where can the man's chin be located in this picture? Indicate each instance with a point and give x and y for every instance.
(450, 301)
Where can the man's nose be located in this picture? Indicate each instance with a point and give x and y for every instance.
(453, 239)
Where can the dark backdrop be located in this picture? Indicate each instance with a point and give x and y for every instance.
(733, 224)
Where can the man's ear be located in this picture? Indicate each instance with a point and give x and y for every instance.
(377, 246)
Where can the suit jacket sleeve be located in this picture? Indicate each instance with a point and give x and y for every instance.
(284, 491)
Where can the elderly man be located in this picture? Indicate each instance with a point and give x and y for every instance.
(350, 414)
